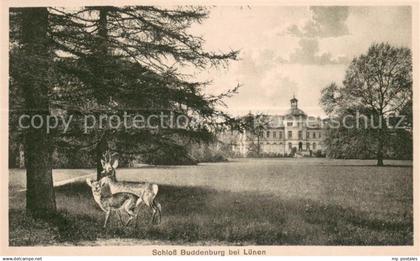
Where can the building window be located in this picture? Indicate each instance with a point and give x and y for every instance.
(319, 135)
(308, 146)
(289, 134)
(290, 145)
(280, 135)
(308, 134)
(314, 135)
(314, 146)
(268, 134)
(300, 135)
(289, 123)
(274, 134)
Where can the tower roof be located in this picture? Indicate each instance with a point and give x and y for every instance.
(294, 110)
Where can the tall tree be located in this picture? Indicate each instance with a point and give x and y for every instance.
(131, 58)
(377, 84)
(109, 60)
(104, 61)
(100, 55)
(254, 126)
(30, 63)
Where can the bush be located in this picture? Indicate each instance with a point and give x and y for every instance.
(209, 152)
(293, 152)
(169, 156)
(319, 154)
(73, 159)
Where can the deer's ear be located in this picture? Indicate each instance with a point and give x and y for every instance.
(103, 163)
(115, 165)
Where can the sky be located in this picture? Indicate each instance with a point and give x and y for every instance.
(293, 50)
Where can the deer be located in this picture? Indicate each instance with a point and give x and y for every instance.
(108, 169)
(145, 192)
(113, 202)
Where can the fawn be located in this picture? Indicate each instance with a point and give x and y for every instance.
(113, 202)
(145, 192)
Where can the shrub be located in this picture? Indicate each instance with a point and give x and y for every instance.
(319, 154)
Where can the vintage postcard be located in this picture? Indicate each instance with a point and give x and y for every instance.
(210, 128)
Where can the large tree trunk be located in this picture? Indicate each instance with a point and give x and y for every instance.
(258, 145)
(40, 197)
(379, 152)
(99, 150)
(101, 58)
(381, 140)
(102, 96)
(13, 156)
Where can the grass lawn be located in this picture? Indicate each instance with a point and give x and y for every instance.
(266, 201)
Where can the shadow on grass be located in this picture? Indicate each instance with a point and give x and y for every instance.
(375, 166)
(197, 214)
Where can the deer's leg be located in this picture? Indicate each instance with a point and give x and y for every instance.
(139, 201)
(156, 211)
(153, 212)
(119, 216)
(138, 206)
(159, 210)
(108, 212)
(128, 206)
(149, 203)
(156, 207)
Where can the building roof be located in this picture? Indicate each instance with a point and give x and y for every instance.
(296, 112)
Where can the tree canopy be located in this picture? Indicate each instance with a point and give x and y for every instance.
(378, 85)
(107, 60)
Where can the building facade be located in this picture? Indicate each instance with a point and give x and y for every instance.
(292, 133)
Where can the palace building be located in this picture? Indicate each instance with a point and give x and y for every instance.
(294, 131)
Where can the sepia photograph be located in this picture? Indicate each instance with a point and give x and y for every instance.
(210, 125)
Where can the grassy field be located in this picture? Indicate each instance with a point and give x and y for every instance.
(265, 201)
